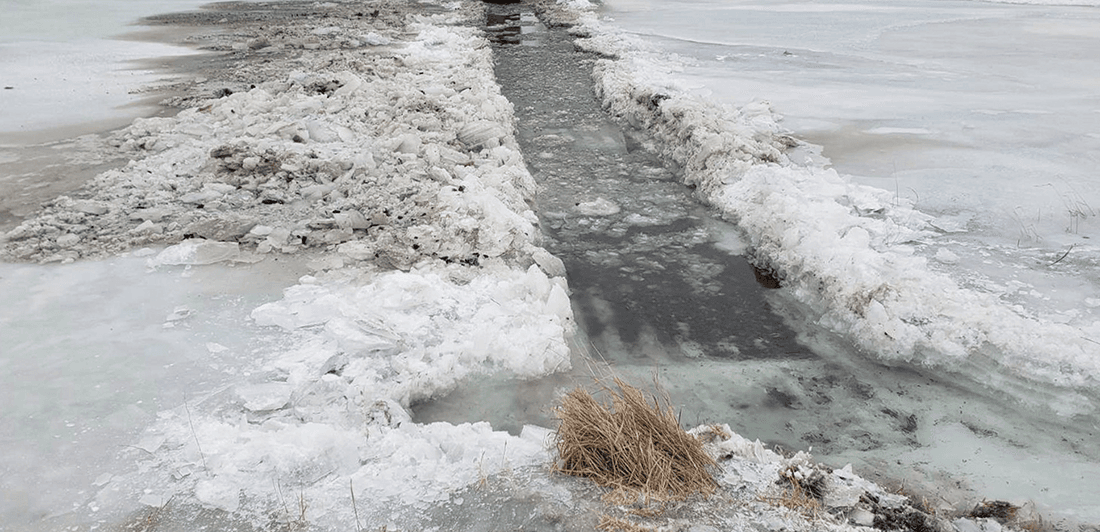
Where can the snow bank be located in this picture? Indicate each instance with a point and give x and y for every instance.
(325, 411)
(845, 250)
(385, 149)
(408, 337)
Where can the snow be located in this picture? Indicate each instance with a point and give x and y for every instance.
(296, 406)
(854, 253)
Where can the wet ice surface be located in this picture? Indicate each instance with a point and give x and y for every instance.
(76, 395)
(52, 90)
(633, 238)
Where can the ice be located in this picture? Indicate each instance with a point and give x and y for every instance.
(423, 333)
(196, 252)
(96, 84)
(66, 72)
(75, 395)
(312, 408)
(597, 207)
(265, 396)
(860, 253)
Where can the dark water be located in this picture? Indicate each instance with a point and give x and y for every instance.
(659, 283)
(654, 267)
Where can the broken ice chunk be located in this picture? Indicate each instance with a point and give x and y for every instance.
(265, 396)
(597, 207)
(179, 313)
(196, 252)
(150, 444)
(218, 494)
(214, 347)
(947, 257)
(154, 500)
(408, 143)
(349, 83)
(480, 133)
(388, 412)
(67, 240)
(375, 39)
(90, 207)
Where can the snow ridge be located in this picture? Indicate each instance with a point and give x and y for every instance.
(845, 250)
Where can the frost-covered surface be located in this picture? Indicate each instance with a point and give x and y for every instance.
(846, 250)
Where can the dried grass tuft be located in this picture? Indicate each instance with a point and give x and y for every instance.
(616, 524)
(634, 446)
(798, 498)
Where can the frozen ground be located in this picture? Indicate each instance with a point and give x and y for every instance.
(371, 145)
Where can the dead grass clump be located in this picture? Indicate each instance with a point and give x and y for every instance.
(798, 498)
(616, 524)
(632, 446)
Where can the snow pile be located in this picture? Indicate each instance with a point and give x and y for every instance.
(407, 337)
(846, 250)
(399, 154)
(325, 412)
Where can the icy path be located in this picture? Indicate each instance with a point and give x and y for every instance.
(661, 284)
